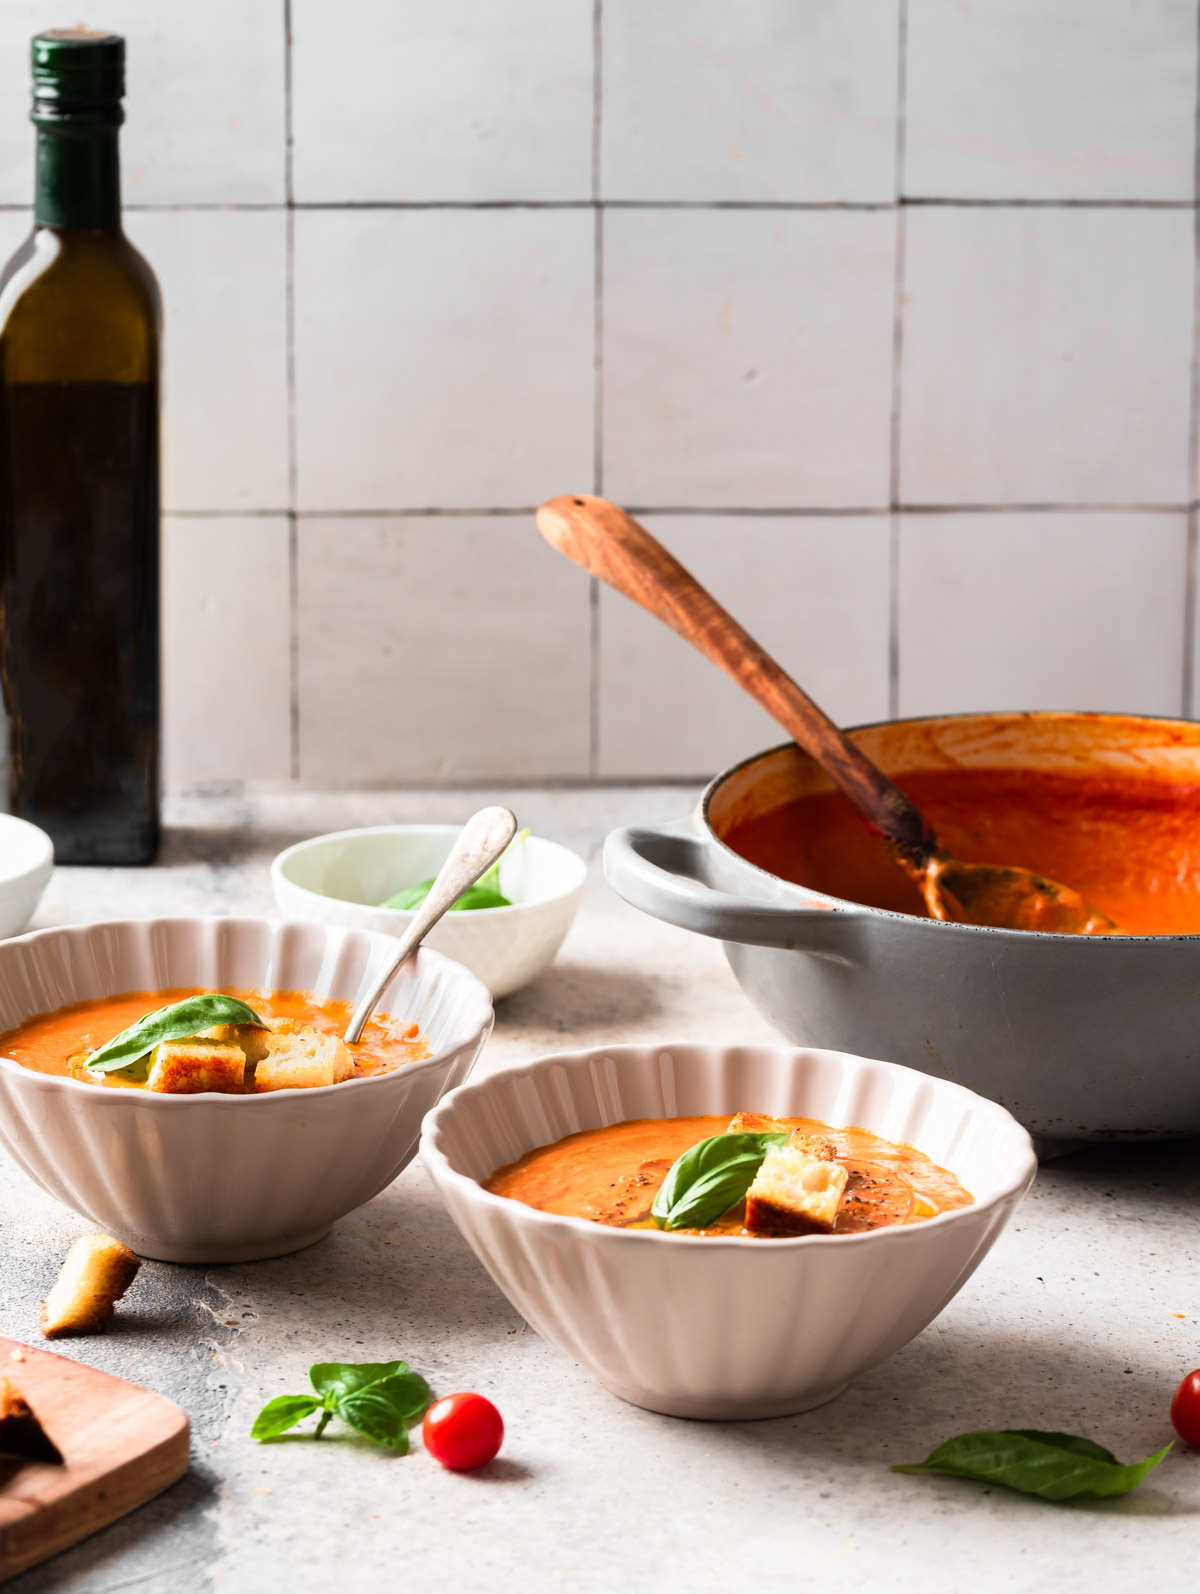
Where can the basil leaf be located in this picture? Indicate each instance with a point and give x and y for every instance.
(485, 893)
(335, 1380)
(709, 1178)
(282, 1413)
(384, 1410)
(173, 1023)
(1053, 1466)
(476, 896)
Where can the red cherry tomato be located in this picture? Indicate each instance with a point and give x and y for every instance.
(463, 1431)
(1185, 1409)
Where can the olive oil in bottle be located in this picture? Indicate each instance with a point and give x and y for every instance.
(80, 323)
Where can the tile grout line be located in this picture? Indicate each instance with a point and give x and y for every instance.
(597, 382)
(908, 201)
(290, 317)
(739, 511)
(1187, 692)
(893, 637)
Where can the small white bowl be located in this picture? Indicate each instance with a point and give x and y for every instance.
(211, 1178)
(341, 879)
(26, 864)
(723, 1327)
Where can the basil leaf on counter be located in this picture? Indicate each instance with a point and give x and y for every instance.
(282, 1413)
(336, 1380)
(1054, 1466)
(381, 1400)
(709, 1178)
(173, 1023)
(384, 1411)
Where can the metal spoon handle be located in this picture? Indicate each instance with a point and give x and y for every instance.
(480, 842)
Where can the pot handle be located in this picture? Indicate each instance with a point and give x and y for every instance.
(661, 872)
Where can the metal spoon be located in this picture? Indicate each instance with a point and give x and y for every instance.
(609, 544)
(480, 842)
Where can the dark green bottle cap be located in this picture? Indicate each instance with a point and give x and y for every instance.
(77, 69)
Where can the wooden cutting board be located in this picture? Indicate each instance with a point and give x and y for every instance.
(121, 1446)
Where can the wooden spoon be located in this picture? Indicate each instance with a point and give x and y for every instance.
(609, 544)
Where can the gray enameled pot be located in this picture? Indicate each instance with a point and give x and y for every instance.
(1080, 1037)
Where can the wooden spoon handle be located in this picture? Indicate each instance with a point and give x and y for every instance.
(611, 545)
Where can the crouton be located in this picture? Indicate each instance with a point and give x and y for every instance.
(97, 1272)
(757, 1123)
(184, 1068)
(250, 1037)
(21, 1434)
(299, 1057)
(794, 1193)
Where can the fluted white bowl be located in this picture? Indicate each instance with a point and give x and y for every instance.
(212, 1178)
(342, 877)
(723, 1327)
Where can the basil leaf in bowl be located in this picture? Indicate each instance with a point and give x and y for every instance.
(126, 1053)
(710, 1178)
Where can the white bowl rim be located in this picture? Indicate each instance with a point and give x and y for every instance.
(404, 915)
(168, 1102)
(891, 1234)
(45, 853)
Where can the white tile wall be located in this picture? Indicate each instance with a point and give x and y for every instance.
(759, 100)
(462, 100)
(748, 357)
(205, 102)
(1047, 356)
(226, 678)
(813, 590)
(438, 648)
(223, 275)
(443, 357)
(1051, 99)
(1026, 611)
(800, 272)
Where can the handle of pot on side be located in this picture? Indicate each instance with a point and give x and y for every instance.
(661, 872)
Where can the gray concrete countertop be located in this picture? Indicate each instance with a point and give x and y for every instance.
(1083, 1319)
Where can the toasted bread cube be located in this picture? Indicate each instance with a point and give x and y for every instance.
(185, 1068)
(299, 1058)
(249, 1037)
(97, 1272)
(757, 1123)
(21, 1434)
(794, 1193)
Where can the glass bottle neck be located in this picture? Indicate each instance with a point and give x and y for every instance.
(78, 181)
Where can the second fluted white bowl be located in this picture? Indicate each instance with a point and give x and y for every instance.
(212, 1178)
(723, 1327)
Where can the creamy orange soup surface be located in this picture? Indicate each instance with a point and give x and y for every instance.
(57, 1043)
(612, 1175)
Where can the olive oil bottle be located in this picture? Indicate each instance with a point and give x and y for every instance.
(80, 324)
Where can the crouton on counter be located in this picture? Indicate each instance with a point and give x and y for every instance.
(21, 1434)
(97, 1272)
(299, 1057)
(794, 1193)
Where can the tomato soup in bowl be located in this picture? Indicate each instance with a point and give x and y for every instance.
(215, 1175)
(720, 1324)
